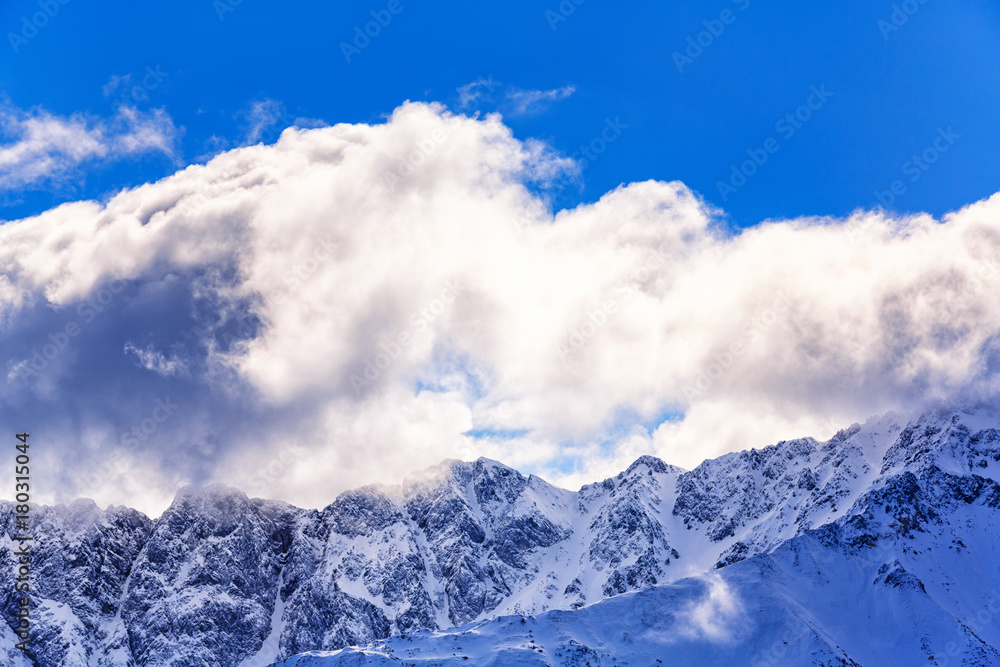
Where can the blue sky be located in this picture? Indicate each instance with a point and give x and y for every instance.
(893, 89)
(579, 280)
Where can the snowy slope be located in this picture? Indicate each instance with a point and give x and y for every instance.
(220, 579)
(808, 603)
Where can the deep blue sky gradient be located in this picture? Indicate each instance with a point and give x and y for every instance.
(892, 91)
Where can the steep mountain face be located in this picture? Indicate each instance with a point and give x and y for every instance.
(205, 584)
(904, 575)
(81, 560)
(890, 522)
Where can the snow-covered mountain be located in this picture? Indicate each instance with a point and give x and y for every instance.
(878, 547)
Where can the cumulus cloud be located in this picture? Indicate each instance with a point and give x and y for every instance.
(380, 297)
(38, 147)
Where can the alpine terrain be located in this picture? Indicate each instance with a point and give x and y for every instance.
(876, 548)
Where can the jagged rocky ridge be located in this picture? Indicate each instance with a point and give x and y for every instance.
(220, 579)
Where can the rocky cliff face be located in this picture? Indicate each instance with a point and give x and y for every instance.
(205, 583)
(224, 580)
(884, 555)
(81, 562)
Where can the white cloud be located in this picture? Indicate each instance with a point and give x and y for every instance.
(471, 95)
(154, 360)
(717, 617)
(515, 101)
(115, 83)
(567, 330)
(533, 101)
(39, 147)
(263, 121)
(261, 116)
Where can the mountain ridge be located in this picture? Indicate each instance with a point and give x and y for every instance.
(466, 542)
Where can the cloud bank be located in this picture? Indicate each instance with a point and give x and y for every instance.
(38, 147)
(355, 302)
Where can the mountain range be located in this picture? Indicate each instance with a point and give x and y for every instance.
(877, 547)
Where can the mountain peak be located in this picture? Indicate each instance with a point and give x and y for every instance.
(215, 496)
(654, 464)
(456, 469)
